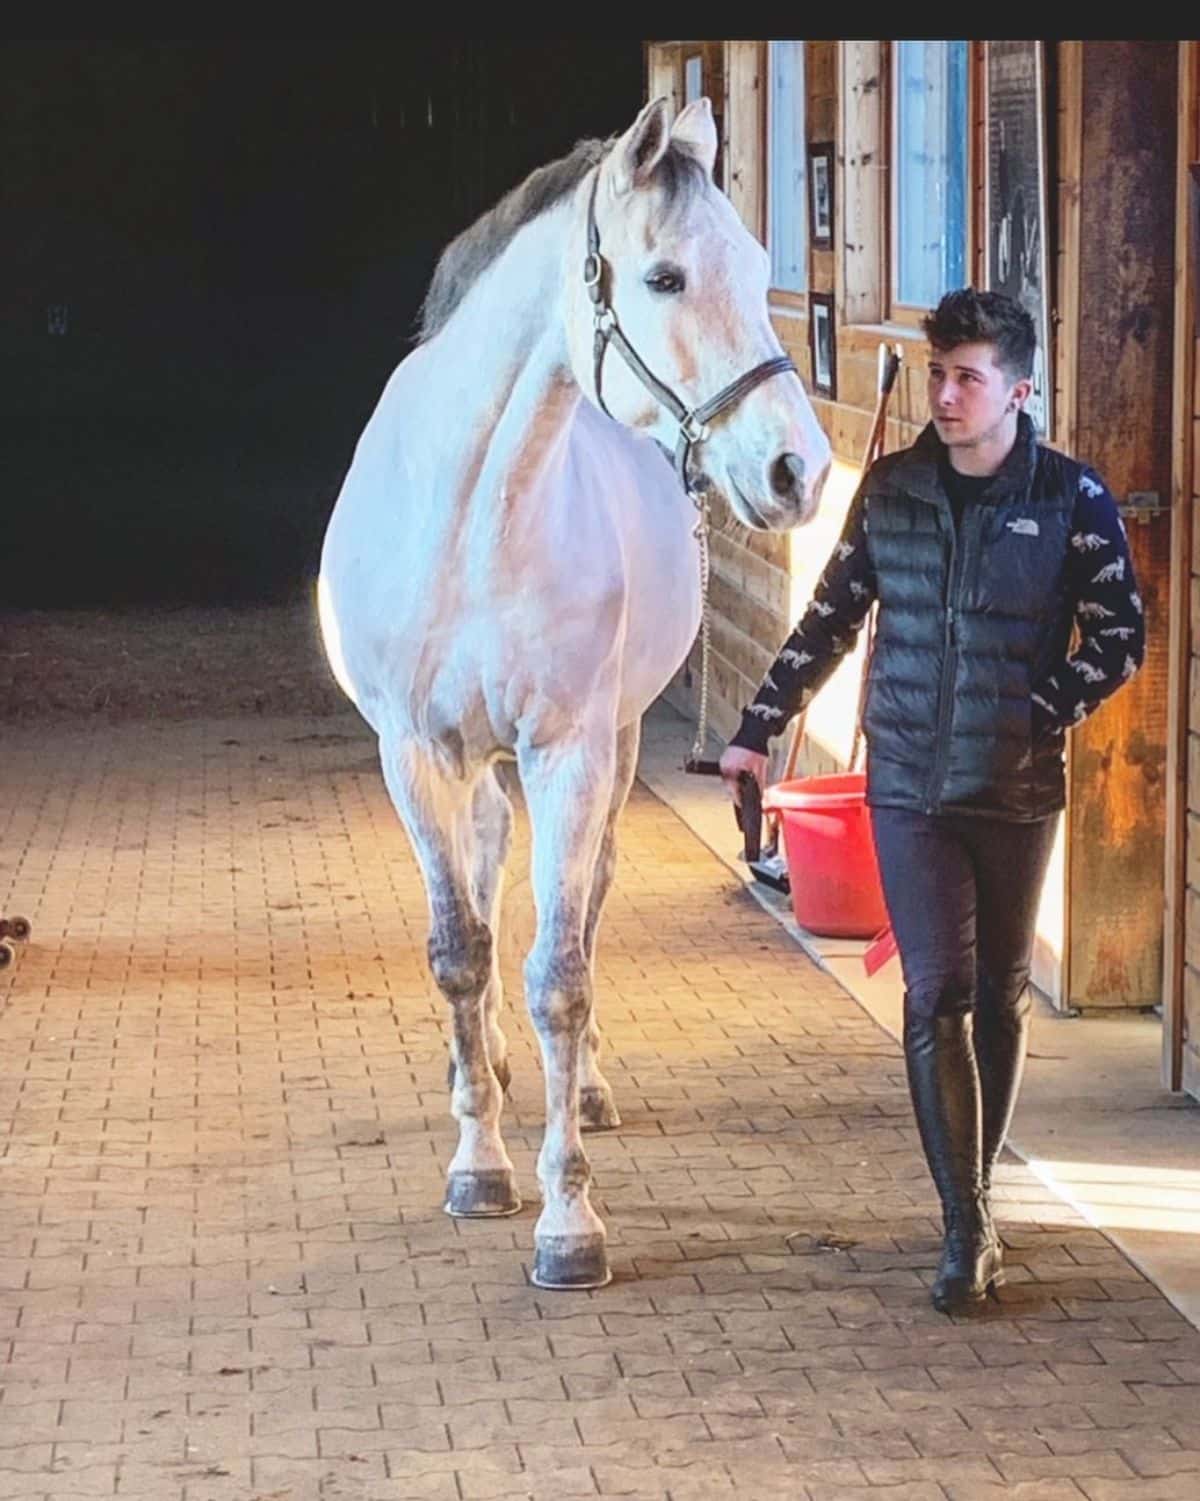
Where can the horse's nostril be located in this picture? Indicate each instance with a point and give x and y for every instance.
(787, 476)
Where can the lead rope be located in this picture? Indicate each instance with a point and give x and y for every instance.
(700, 532)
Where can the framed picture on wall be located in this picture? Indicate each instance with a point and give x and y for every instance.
(820, 194)
(1017, 259)
(822, 344)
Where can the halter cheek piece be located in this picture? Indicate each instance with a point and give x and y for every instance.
(693, 424)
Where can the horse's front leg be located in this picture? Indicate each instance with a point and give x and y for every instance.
(437, 812)
(493, 819)
(568, 789)
(596, 1105)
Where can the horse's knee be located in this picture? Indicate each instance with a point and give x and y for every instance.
(461, 961)
(559, 991)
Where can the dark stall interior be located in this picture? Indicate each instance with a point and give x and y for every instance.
(214, 254)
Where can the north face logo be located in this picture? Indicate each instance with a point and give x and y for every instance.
(1024, 526)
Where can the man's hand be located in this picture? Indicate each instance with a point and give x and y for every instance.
(736, 760)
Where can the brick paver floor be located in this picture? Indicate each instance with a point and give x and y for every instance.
(224, 1270)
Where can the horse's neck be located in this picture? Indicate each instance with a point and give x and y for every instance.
(508, 337)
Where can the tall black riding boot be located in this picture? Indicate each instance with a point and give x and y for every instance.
(1002, 1023)
(944, 1083)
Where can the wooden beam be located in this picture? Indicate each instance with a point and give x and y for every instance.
(1066, 346)
(862, 175)
(746, 128)
(1184, 484)
(663, 68)
(1070, 172)
(1117, 806)
(713, 57)
(977, 216)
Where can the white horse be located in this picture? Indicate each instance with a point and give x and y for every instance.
(510, 573)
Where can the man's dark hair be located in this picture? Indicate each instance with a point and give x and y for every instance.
(971, 317)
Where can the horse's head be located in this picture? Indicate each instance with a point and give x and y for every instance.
(680, 280)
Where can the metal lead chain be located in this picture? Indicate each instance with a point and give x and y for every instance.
(700, 532)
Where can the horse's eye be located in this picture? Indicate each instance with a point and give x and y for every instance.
(668, 280)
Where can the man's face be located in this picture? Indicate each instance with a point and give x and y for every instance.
(970, 395)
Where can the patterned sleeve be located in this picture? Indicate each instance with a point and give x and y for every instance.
(826, 632)
(1108, 614)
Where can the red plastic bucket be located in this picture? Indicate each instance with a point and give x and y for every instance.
(832, 870)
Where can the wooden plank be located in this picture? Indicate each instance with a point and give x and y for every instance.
(1193, 713)
(714, 85)
(860, 181)
(745, 113)
(793, 335)
(858, 381)
(1070, 171)
(841, 322)
(1196, 374)
(751, 658)
(664, 74)
(1196, 509)
(1123, 378)
(1190, 1079)
(820, 67)
(753, 620)
(863, 338)
(848, 429)
(1181, 709)
(763, 582)
(978, 226)
(770, 547)
(1193, 754)
(821, 265)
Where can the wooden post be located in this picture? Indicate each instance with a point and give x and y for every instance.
(745, 121)
(662, 70)
(1070, 171)
(861, 184)
(1066, 340)
(1184, 485)
(1123, 359)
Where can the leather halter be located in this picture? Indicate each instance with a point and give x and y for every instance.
(693, 422)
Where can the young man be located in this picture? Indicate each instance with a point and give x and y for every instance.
(986, 552)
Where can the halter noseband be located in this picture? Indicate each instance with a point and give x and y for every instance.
(693, 423)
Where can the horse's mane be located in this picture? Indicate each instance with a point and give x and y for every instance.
(465, 259)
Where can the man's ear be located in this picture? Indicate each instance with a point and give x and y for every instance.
(1021, 393)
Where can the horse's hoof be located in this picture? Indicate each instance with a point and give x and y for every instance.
(597, 1111)
(570, 1263)
(488, 1194)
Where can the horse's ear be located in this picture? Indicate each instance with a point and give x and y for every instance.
(695, 131)
(638, 151)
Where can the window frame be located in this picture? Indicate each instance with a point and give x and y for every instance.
(892, 309)
(790, 299)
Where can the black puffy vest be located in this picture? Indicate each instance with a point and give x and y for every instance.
(966, 628)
